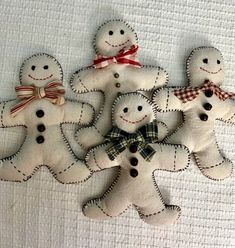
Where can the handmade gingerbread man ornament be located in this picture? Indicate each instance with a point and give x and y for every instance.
(42, 109)
(202, 103)
(115, 71)
(131, 144)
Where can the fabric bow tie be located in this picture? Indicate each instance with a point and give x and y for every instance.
(191, 93)
(123, 57)
(121, 140)
(52, 92)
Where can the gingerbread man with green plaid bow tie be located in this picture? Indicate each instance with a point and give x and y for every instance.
(131, 144)
(202, 103)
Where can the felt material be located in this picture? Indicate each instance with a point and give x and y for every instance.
(135, 184)
(44, 143)
(201, 111)
(114, 79)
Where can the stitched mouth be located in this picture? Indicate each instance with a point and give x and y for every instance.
(40, 78)
(133, 122)
(211, 72)
(122, 44)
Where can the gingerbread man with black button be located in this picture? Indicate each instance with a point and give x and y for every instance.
(202, 103)
(132, 145)
(115, 71)
(42, 109)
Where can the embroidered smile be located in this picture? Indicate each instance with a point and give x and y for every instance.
(133, 122)
(40, 78)
(211, 72)
(122, 44)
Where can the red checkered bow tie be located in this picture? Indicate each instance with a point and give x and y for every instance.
(52, 92)
(123, 57)
(190, 93)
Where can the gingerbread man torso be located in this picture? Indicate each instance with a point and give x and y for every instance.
(200, 115)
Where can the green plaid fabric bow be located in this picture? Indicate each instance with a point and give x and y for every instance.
(121, 140)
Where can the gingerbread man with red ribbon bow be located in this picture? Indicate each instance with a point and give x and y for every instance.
(42, 109)
(115, 71)
(202, 103)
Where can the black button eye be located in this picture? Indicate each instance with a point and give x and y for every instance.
(218, 61)
(33, 67)
(45, 67)
(122, 31)
(205, 61)
(110, 32)
(125, 110)
(140, 108)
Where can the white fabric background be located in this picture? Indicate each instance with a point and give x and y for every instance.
(43, 213)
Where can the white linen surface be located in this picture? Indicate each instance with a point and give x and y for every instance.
(43, 213)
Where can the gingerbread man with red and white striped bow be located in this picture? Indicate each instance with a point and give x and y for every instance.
(41, 108)
(115, 71)
(202, 103)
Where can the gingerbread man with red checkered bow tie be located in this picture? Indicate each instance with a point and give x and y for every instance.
(202, 103)
(115, 71)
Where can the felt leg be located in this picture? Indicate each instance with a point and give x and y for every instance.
(20, 166)
(169, 214)
(212, 164)
(153, 210)
(66, 168)
(113, 203)
(106, 208)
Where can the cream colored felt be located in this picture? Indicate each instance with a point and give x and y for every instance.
(194, 133)
(140, 191)
(113, 79)
(54, 152)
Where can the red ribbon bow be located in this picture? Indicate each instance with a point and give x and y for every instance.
(190, 93)
(123, 57)
(52, 92)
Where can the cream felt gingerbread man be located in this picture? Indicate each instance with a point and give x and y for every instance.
(202, 103)
(131, 144)
(41, 108)
(115, 71)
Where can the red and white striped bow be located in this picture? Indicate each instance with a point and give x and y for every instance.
(123, 57)
(52, 92)
(190, 93)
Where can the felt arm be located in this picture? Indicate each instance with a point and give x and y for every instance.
(165, 100)
(78, 112)
(97, 159)
(148, 77)
(170, 157)
(6, 119)
(228, 111)
(90, 79)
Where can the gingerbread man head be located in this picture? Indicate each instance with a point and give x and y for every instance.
(113, 36)
(205, 63)
(132, 111)
(40, 69)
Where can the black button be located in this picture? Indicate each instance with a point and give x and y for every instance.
(40, 113)
(203, 117)
(118, 85)
(40, 139)
(116, 75)
(208, 93)
(133, 172)
(134, 161)
(41, 128)
(133, 148)
(207, 106)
